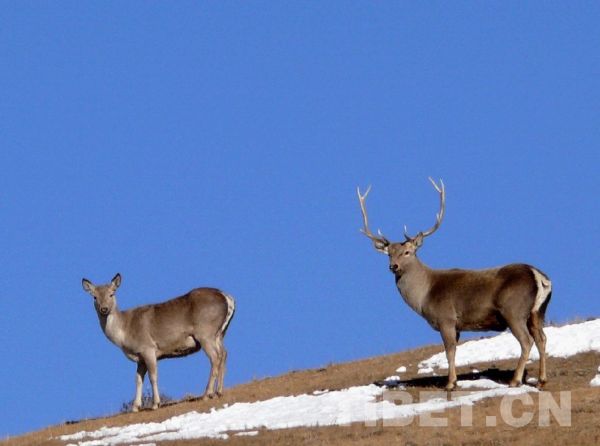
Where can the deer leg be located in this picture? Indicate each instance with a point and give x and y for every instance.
(535, 324)
(520, 332)
(139, 382)
(449, 336)
(222, 373)
(222, 361)
(213, 355)
(150, 360)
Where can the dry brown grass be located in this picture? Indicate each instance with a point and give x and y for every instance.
(573, 374)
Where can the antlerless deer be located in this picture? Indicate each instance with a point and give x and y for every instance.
(175, 328)
(454, 300)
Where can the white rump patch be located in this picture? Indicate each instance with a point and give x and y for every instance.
(230, 310)
(544, 287)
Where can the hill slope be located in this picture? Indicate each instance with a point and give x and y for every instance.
(322, 403)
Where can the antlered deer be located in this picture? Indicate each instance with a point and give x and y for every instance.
(454, 300)
(175, 328)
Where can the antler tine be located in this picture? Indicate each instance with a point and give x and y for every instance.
(440, 215)
(408, 237)
(436, 186)
(365, 230)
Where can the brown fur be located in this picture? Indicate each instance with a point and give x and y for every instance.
(175, 328)
(514, 296)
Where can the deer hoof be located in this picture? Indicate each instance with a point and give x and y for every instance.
(135, 409)
(207, 396)
(541, 383)
(515, 383)
(450, 386)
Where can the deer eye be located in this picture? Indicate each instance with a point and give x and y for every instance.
(406, 253)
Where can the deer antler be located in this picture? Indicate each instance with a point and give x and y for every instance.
(377, 239)
(439, 216)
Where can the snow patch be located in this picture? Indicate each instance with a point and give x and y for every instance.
(364, 404)
(246, 434)
(595, 382)
(562, 342)
(356, 404)
(320, 392)
(482, 383)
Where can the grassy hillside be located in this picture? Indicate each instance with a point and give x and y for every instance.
(573, 374)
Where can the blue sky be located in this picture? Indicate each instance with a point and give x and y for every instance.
(189, 144)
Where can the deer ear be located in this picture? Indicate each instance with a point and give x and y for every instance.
(381, 246)
(116, 281)
(87, 285)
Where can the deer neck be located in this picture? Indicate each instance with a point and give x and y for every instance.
(413, 284)
(112, 326)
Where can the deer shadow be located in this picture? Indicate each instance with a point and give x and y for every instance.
(494, 374)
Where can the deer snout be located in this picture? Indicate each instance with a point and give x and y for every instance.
(393, 267)
(104, 311)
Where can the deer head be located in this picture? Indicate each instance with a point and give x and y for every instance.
(104, 295)
(401, 254)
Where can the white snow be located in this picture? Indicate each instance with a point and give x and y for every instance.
(356, 404)
(392, 378)
(320, 392)
(562, 342)
(365, 404)
(595, 382)
(482, 383)
(246, 434)
(401, 369)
